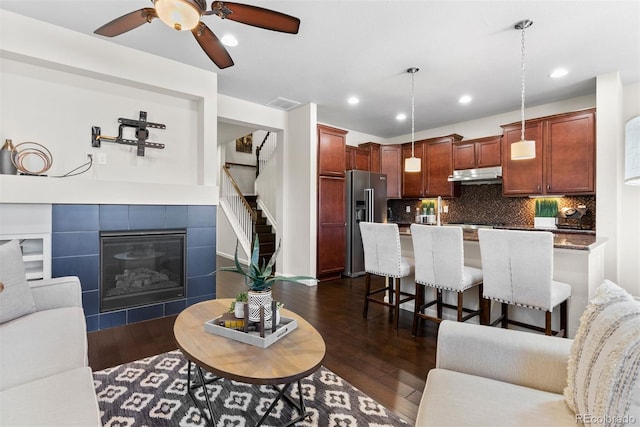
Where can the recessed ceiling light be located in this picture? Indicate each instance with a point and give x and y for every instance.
(229, 40)
(465, 99)
(559, 72)
(401, 117)
(353, 100)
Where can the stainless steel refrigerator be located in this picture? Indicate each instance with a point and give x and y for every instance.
(366, 201)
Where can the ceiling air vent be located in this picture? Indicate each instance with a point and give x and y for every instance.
(283, 104)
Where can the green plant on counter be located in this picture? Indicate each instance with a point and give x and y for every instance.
(259, 276)
(241, 297)
(428, 206)
(546, 208)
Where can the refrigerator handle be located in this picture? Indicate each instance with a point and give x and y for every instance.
(369, 201)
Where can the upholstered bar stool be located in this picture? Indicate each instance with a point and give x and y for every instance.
(518, 270)
(383, 257)
(439, 258)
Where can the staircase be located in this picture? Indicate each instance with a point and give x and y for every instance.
(242, 211)
(265, 233)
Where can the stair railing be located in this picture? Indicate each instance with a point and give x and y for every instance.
(265, 151)
(241, 215)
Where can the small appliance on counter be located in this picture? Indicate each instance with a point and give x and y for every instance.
(575, 218)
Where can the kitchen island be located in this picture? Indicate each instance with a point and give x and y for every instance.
(578, 260)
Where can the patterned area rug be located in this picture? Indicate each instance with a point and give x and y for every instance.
(153, 392)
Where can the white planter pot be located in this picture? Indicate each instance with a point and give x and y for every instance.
(257, 300)
(239, 310)
(544, 222)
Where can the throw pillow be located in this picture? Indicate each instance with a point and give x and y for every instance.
(16, 299)
(604, 363)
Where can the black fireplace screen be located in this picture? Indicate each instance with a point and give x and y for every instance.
(141, 267)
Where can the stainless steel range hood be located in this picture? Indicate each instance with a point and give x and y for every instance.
(492, 175)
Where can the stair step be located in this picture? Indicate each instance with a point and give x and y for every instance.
(267, 237)
(261, 221)
(263, 229)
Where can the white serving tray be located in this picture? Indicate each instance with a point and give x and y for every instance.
(253, 338)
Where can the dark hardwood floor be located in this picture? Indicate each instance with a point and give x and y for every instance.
(388, 365)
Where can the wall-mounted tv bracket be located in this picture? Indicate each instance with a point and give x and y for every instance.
(142, 133)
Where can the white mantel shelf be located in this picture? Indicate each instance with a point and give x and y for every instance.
(36, 189)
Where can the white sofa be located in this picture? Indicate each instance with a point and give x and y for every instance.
(45, 379)
(488, 376)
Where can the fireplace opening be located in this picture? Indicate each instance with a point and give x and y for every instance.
(141, 267)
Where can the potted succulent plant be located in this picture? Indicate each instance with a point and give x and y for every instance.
(237, 305)
(259, 278)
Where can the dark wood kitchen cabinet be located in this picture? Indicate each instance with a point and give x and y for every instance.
(437, 165)
(391, 164)
(331, 237)
(331, 240)
(522, 177)
(356, 158)
(570, 154)
(372, 151)
(412, 181)
(565, 156)
(331, 151)
(478, 153)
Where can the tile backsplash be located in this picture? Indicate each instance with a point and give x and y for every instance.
(485, 204)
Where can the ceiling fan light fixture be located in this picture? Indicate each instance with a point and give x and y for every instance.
(181, 15)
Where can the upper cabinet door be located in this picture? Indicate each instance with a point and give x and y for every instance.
(438, 165)
(570, 152)
(477, 153)
(464, 155)
(331, 151)
(390, 164)
(522, 177)
(489, 151)
(412, 181)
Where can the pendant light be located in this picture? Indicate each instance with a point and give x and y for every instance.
(523, 149)
(632, 152)
(412, 164)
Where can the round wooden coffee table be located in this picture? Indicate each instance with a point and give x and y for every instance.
(288, 360)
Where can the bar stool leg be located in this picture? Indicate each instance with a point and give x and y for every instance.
(396, 286)
(564, 318)
(505, 315)
(367, 290)
(439, 303)
(460, 299)
(417, 308)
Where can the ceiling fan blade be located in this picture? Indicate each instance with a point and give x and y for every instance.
(262, 18)
(212, 46)
(127, 22)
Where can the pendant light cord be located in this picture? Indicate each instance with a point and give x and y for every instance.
(522, 71)
(413, 108)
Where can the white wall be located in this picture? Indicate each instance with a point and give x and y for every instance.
(609, 140)
(55, 87)
(629, 275)
(299, 206)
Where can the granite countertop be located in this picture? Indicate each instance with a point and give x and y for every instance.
(562, 239)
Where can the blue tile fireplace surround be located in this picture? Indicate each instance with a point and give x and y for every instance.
(75, 250)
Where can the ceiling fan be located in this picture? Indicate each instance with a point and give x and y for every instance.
(184, 15)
